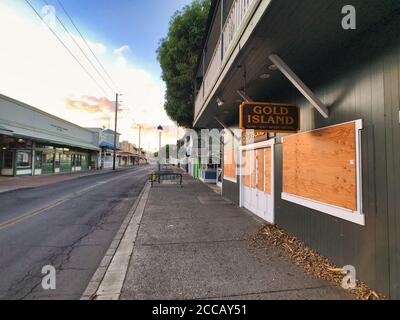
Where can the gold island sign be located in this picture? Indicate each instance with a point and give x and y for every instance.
(269, 117)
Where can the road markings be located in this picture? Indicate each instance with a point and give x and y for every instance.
(108, 281)
(71, 196)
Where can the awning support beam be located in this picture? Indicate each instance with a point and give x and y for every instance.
(224, 125)
(300, 85)
(244, 96)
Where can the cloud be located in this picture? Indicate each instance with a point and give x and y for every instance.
(120, 53)
(92, 104)
(122, 50)
(98, 47)
(170, 132)
(49, 79)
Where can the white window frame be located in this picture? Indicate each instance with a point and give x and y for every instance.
(357, 216)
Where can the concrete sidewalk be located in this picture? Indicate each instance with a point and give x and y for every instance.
(23, 182)
(190, 245)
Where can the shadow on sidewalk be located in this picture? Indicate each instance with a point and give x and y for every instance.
(192, 244)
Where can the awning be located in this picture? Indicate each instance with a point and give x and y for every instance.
(46, 138)
(5, 131)
(107, 145)
(127, 154)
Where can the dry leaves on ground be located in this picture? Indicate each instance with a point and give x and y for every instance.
(310, 260)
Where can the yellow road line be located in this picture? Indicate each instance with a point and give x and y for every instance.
(34, 213)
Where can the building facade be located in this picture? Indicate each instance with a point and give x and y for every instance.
(106, 144)
(335, 184)
(33, 142)
(129, 154)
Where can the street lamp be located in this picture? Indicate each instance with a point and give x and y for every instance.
(117, 95)
(160, 130)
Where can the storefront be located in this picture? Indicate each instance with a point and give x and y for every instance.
(127, 159)
(33, 142)
(335, 183)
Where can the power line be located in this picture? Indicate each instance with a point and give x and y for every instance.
(83, 38)
(83, 52)
(66, 47)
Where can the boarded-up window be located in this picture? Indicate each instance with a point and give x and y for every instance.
(230, 163)
(260, 170)
(246, 171)
(321, 165)
(267, 171)
(253, 169)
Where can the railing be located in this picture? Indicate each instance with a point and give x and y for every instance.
(237, 15)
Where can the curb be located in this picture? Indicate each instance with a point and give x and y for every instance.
(108, 280)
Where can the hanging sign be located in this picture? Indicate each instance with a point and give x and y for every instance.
(269, 117)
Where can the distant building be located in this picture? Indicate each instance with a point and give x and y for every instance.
(106, 144)
(33, 142)
(128, 155)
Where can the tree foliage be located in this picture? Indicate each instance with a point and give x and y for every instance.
(178, 54)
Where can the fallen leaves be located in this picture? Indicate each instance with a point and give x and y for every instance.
(311, 261)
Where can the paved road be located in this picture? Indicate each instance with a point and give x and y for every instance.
(68, 225)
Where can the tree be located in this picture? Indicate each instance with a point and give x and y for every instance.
(178, 56)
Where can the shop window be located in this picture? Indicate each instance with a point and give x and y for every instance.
(8, 160)
(57, 160)
(322, 170)
(24, 159)
(230, 159)
(38, 160)
(48, 158)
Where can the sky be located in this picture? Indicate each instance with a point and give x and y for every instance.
(124, 35)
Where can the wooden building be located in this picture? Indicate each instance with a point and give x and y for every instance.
(334, 184)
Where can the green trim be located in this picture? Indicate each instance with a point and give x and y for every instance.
(65, 167)
(47, 168)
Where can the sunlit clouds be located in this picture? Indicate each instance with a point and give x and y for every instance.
(36, 69)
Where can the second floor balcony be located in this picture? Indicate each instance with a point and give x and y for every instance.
(230, 18)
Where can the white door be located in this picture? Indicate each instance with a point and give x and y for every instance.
(261, 209)
(258, 183)
(249, 183)
(269, 185)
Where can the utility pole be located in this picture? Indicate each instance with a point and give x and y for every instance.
(140, 141)
(115, 131)
(140, 136)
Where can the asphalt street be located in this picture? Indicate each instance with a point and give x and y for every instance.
(69, 225)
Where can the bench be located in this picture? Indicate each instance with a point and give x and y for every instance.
(166, 175)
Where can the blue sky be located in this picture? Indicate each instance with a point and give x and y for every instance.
(125, 34)
(137, 23)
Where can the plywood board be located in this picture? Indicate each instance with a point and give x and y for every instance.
(267, 170)
(253, 169)
(260, 170)
(246, 168)
(229, 163)
(321, 165)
